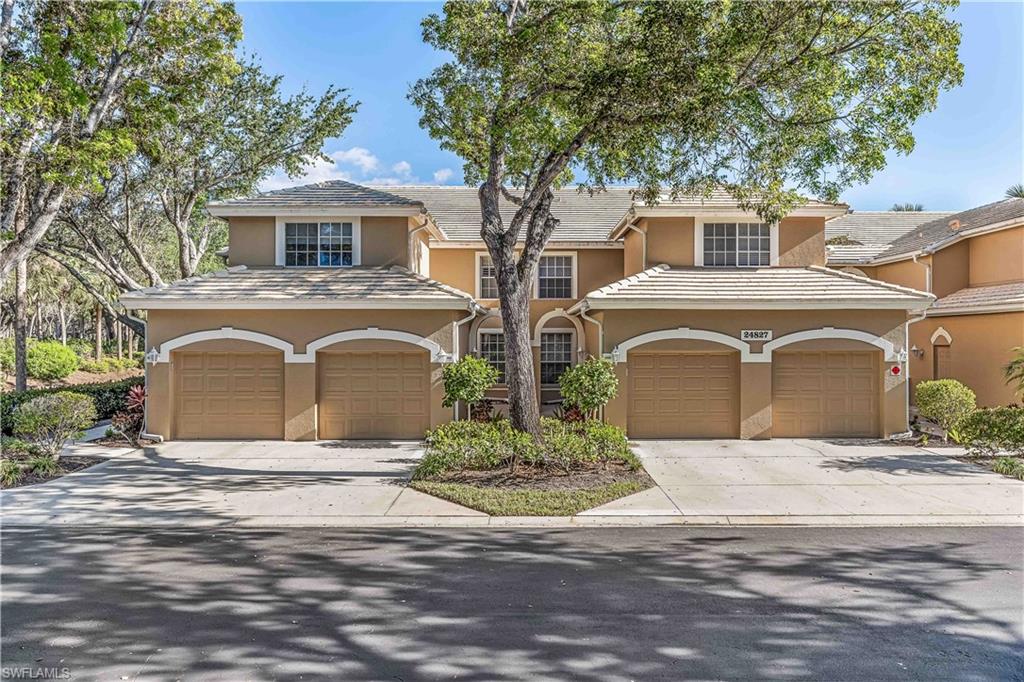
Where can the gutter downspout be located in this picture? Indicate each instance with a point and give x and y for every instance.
(474, 310)
(584, 307)
(643, 240)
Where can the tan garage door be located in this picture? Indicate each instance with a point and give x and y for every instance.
(374, 394)
(683, 395)
(228, 395)
(825, 393)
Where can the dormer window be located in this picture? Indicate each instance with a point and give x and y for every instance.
(736, 244)
(318, 243)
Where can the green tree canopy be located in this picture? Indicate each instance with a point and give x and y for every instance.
(761, 98)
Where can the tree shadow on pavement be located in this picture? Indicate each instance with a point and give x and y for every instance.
(595, 604)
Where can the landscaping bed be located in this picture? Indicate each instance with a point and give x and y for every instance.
(64, 466)
(490, 467)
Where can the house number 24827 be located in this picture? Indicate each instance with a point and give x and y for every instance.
(756, 335)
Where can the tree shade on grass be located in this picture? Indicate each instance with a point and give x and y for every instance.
(525, 502)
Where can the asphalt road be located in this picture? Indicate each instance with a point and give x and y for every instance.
(595, 604)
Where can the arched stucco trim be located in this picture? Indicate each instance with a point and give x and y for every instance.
(620, 352)
(560, 312)
(833, 333)
(164, 353)
(941, 333)
(437, 354)
(476, 325)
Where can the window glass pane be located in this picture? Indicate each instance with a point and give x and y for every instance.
(492, 349)
(732, 244)
(555, 355)
(554, 274)
(300, 241)
(334, 250)
(488, 282)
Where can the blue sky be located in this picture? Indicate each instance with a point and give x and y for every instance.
(969, 150)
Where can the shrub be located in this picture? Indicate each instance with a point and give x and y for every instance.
(129, 421)
(92, 366)
(50, 420)
(109, 397)
(589, 385)
(1014, 370)
(994, 430)
(1008, 466)
(945, 402)
(7, 356)
(43, 465)
(83, 348)
(16, 448)
(467, 380)
(10, 472)
(50, 360)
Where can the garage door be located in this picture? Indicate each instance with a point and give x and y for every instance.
(229, 395)
(683, 395)
(821, 394)
(374, 394)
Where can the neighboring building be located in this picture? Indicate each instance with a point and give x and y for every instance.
(861, 235)
(342, 304)
(973, 261)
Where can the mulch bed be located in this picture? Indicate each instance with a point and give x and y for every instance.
(547, 478)
(67, 465)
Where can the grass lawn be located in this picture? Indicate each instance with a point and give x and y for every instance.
(527, 502)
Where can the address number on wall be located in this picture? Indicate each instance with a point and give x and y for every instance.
(756, 335)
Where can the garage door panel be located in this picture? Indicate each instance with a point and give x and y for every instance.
(683, 395)
(825, 393)
(229, 395)
(365, 394)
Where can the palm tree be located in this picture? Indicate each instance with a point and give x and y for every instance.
(1015, 191)
(1014, 369)
(908, 207)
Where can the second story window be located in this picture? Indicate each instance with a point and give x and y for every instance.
(487, 283)
(318, 244)
(737, 244)
(492, 349)
(554, 277)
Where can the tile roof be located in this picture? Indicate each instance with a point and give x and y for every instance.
(814, 286)
(358, 287)
(851, 254)
(584, 218)
(879, 227)
(327, 193)
(933, 234)
(995, 295)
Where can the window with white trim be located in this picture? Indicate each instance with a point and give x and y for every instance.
(737, 244)
(319, 244)
(487, 284)
(555, 355)
(492, 349)
(554, 277)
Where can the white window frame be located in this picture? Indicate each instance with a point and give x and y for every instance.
(279, 234)
(480, 255)
(698, 239)
(575, 277)
(573, 351)
(479, 346)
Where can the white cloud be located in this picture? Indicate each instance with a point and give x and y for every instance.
(357, 156)
(318, 171)
(442, 175)
(402, 168)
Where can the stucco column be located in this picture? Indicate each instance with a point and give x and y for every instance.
(159, 399)
(616, 410)
(439, 414)
(755, 400)
(894, 399)
(300, 401)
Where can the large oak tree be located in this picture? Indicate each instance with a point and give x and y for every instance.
(764, 99)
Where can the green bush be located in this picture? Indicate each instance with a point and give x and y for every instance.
(43, 465)
(7, 356)
(49, 420)
(109, 396)
(50, 360)
(485, 446)
(83, 348)
(467, 380)
(1008, 466)
(994, 430)
(93, 366)
(16, 448)
(10, 472)
(946, 402)
(589, 385)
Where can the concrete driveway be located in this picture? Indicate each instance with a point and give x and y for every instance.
(254, 483)
(790, 481)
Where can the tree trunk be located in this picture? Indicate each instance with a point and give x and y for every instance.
(131, 342)
(63, 315)
(120, 343)
(523, 408)
(99, 333)
(21, 325)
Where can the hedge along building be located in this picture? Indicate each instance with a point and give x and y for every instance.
(343, 302)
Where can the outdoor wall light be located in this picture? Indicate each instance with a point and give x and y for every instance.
(152, 356)
(918, 352)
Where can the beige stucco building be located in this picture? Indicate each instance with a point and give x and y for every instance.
(973, 262)
(341, 305)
